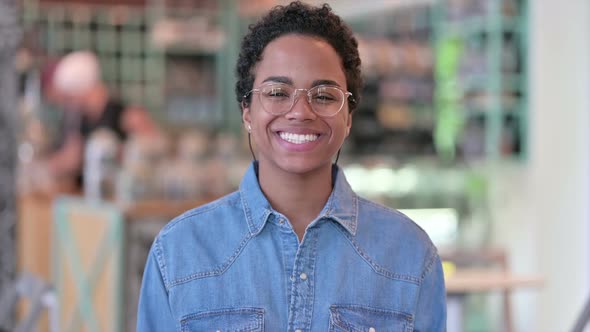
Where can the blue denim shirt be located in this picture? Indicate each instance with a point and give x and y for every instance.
(237, 265)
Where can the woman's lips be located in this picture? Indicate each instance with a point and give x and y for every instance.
(298, 138)
(299, 142)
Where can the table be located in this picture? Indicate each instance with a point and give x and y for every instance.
(463, 282)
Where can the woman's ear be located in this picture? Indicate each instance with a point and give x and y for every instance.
(348, 123)
(246, 117)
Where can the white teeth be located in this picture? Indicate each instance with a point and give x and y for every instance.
(298, 139)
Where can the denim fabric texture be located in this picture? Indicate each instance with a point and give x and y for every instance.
(237, 265)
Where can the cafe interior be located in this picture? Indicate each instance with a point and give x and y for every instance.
(474, 122)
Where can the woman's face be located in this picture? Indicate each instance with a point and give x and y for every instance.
(299, 141)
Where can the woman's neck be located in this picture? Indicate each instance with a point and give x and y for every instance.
(299, 197)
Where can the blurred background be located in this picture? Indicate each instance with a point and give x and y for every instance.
(116, 116)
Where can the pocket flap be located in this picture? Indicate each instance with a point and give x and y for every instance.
(355, 318)
(234, 320)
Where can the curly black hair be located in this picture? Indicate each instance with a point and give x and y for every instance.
(299, 18)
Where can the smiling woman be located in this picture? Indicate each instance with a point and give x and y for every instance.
(279, 131)
(294, 249)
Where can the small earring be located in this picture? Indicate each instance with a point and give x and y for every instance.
(249, 127)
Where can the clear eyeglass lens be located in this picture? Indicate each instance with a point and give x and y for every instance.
(278, 99)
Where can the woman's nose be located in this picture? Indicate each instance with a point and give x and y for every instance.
(301, 108)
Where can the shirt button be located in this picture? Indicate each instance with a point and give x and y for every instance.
(371, 329)
(303, 276)
(281, 221)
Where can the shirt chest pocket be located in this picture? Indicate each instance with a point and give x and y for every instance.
(225, 320)
(354, 318)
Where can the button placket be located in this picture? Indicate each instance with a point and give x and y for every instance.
(290, 246)
(302, 286)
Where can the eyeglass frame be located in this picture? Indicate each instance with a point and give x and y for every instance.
(346, 94)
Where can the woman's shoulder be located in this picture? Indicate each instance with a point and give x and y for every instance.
(379, 220)
(393, 240)
(387, 217)
(203, 216)
(202, 241)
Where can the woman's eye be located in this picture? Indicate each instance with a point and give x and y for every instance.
(324, 98)
(277, 93)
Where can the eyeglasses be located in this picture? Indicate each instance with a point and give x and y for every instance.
(279, 98)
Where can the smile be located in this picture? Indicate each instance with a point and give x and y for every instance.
(297, 138)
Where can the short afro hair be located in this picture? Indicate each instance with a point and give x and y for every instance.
(299, 18)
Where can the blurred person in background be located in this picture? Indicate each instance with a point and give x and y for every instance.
(77, 88)
(294, 249)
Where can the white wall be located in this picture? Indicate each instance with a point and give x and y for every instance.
(542, 208)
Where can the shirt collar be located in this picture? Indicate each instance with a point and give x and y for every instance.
(342, 205)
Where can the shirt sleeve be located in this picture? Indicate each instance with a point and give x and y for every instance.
(431, 313)
(154, 312)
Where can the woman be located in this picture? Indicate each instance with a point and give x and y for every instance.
(294, 249)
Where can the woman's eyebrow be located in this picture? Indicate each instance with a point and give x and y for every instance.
(287, 80)
(279, 79)
(324, 82)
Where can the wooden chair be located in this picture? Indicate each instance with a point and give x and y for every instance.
(487, 258)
